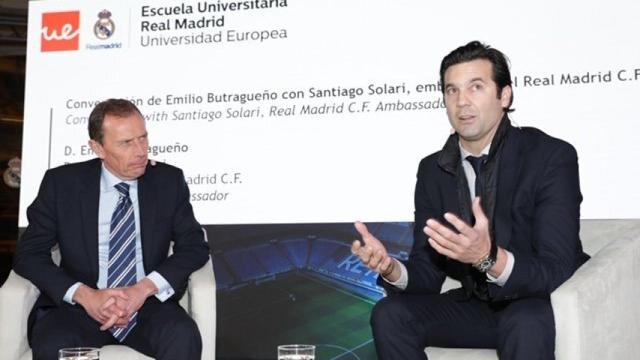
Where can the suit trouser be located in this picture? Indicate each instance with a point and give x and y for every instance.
(403, 325)
(163, 331)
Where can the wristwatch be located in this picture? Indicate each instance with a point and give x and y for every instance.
(488, 261)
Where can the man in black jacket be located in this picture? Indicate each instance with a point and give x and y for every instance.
(497, 208)
(113, 218)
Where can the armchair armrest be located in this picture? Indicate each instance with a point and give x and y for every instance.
(596, 311)
(202, 307)
(17, 297)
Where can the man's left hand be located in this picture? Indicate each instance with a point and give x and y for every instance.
(469, 245)
(137, 295)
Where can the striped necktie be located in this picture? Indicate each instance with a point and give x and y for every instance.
(121, 268)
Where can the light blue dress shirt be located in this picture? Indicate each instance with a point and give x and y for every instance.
(108, 201)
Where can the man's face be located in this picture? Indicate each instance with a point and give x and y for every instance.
(124, 146)
(473, 106)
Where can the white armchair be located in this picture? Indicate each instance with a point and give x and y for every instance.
(596, 312)
(18, 295)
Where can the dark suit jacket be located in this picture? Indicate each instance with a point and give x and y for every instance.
(536, 214)
(65, 212)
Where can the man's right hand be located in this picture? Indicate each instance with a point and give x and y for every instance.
(104, 305)
(374, 255)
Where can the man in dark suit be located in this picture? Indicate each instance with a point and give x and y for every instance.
(497, 208)
(113, 219)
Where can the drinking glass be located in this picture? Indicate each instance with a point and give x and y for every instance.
(79, 353)
(296, 352)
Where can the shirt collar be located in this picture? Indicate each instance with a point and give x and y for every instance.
(108, 181)
(464, 153)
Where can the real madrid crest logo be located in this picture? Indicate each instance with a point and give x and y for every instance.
(104, 27)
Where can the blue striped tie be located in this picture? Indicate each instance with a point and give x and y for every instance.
(121, 269)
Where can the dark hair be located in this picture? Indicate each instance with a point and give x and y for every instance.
(476, 50)
(115, 107)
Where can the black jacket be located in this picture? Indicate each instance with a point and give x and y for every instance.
(535, 212)
(65, 212)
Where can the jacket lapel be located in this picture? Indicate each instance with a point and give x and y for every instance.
(508, 176)
(147, 207)
(449, 161)
(89, 202)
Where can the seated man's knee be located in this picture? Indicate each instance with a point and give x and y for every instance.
(388, 312)
(527, 314)
(64, 327)
(527, 321)
(186, 333)
(46, 346)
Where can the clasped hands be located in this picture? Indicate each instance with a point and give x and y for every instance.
(469, 245)
(114, 307)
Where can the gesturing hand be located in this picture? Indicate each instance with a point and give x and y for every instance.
(469, 245)
(373, 254)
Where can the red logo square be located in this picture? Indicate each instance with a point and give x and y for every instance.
(60, 31)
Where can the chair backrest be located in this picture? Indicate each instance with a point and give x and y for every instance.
(594, 234)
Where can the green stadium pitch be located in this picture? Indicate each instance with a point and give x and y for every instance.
(298, 307)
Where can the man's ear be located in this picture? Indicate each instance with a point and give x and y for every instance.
(505, 96)
(97, 148)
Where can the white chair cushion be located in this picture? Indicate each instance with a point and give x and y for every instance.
(436, 353)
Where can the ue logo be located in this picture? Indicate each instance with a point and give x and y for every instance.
(60, 31)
